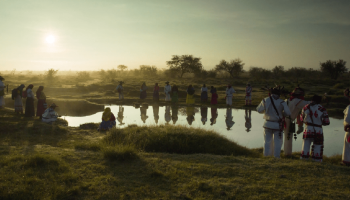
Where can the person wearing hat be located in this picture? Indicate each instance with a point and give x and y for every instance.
(50, 115)
(229, 95)
(274, 109)
(295, 104)
(204, 93)
(248, 95)
(17, 96)
(346, 148)
(120, 90)
(314, 116)
(2, 92)
(167, 90)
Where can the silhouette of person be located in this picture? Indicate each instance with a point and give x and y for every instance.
(167, 114)
(214, 115)
(248, 119)
(121, 115)
(143, 110)
(229, 119)
(156, 113)
(174, 113)
(204, 114)
(190, 114)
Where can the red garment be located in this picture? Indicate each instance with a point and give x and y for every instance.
(214, 98)
(38, 92)
(40, 109)
(156, 88)
(293, 97)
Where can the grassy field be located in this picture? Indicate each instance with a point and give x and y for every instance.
(41, 161)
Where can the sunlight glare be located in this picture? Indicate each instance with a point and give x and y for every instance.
(50, 39)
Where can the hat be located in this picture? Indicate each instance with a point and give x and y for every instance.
(317, 99)
(53, 105)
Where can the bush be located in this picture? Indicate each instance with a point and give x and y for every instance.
(88, 146)
(83, 76)
(47, 162)
(175, 139)
(119, 153)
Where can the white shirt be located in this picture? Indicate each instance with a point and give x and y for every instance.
(248, 90)
(204, 89)
(30, 93)
(347, 115)
(119, 87)
(295, 106)
(50, 115)
(229, 92)
(167, 89)
(270, 115)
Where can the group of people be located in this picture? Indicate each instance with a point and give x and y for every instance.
(172, 93)
(46, 114)
(280, 117)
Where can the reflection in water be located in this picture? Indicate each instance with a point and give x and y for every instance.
(143, 110)
(190, 114)
(248, 119)
(121, 115)
(167, 115)
(204, 114)
(214, 115)
(156, 113)
(229, 119)
(174, 113)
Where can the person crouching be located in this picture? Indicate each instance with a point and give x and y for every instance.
(274, 109)
(50, 115)
(108, 120)
(314, 116)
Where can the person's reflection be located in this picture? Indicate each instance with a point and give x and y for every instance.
(167, 114)
(229, 119)
(174, 113)
(204, 114)
(121, 115)
(156, 113)
(143, 110)
(214, 115)
(248, 119)
(190, 114)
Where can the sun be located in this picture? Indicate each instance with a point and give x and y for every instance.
(50, 39)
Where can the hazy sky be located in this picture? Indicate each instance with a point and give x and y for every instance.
(101, 34)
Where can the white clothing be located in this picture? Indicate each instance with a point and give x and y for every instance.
(30, 93)
(346, 148)
(295, 106)
(204, 89)
(121, 94)
(50, 115)
(229, 92)
(228, 118)
(270, 115)
(249, 98)
(167, 114)
(317, 150)
(248, 93)
(229, 101)
(167, 90)
(2, 88)
(272, 142)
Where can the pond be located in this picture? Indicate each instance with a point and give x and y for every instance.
(243, 126)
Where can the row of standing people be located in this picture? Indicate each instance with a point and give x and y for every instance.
(311, 113)
(171, 93)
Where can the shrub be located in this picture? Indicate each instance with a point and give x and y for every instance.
(48, 162)
(83, 76)
(88, 146)
(119, 153)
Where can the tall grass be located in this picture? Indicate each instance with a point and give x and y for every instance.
(175, 139)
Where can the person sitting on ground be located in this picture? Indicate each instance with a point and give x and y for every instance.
(108, 120)
(50, 115)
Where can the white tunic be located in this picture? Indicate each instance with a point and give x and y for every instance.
(204, 89)
(270, 115)
(295, 106)
(229, 92)
(50, 115)
(30, 93)
(119, 87)
(167, 89)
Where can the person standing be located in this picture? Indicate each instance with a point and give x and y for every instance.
(314, 116)
(17, 96)
(346, 148)
(204, 114)
(190, 95)
(29, 112)
(120, 90)
(295, 103)
(156, 93)
(204, 93)
(174, 94)
(143, 91)
(248, 95)
(2, 92)
(214, 96)
(274, 109)
(167, 90)
(229, 95)
(41, 106)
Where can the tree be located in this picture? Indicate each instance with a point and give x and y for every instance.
(83, 76)
(185, 64)
(259, 73)
(333, 68)
(50, 74)
(278, 71)
(122, 67)
(234, 67)
(147, 70)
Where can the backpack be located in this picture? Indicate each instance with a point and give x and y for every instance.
(14, 93)
(24, 94)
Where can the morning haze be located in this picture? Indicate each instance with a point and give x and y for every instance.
(93, 35)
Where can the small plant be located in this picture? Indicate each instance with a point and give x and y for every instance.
(50, 74)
